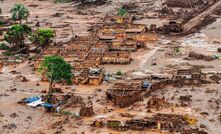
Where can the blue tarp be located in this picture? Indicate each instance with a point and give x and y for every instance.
(32, 99)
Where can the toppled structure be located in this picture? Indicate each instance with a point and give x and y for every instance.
(125, 94)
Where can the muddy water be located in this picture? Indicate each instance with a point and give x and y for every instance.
(213, 31)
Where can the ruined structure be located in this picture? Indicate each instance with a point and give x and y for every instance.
(171, 27)
(91, 76)
(196, 56)
(125, 94)
(170, 123)
(116, 58)
(188, 76)
(157, 103)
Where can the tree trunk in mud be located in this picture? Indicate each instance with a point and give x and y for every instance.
(50, 86)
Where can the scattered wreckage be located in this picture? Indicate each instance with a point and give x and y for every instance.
(164, 122)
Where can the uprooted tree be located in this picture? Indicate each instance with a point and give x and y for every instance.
(42, 36)
(56, 69)
(15, 36)
(19, 12)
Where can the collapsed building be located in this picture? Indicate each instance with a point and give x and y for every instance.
(188, 76)
(116, 58)
(91, 76)
(171, 27)
(125, 94)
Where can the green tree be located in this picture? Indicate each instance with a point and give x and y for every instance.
(19, 12)
(42, 36)
(15, 36)
(56, 69)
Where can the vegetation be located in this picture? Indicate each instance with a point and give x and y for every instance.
(56, 70)
(42, 37)
(177, 50)
(7, 53)
(122, 12)
(19, 12)
(119, 73)
(16, 35)
(3, 46)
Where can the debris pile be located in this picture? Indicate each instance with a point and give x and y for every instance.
(86, 111)
(196, 56)
(157, 103)
(171, 123)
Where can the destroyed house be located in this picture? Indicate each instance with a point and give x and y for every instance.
(96, 52)
(116, 58)
(84, 65)
(91, 76)
(188, 77)
(171, 123)
(171, 27)
(125, 94)
(77, 50)
(123, 45)
(144, 37)
(135, 30)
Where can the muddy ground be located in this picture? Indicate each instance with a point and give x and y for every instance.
(21, 119)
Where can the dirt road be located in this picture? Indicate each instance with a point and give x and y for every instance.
(197, 19)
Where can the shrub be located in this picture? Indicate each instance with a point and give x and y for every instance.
(3, 46)
(119, 73)
(42, 36)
